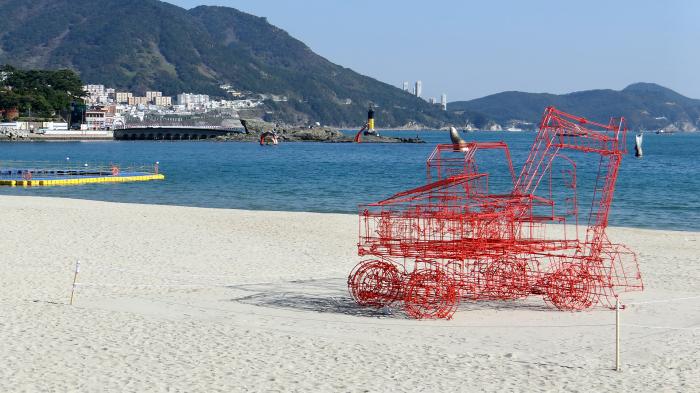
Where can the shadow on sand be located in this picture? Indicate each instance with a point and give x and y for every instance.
(330, 295)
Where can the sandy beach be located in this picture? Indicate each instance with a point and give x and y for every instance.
(179, 299)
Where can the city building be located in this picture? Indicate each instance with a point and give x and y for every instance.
(443, 101)
(95, 94)
(123, 97)
(405, 86)
(192, 100)
(102, 117)
(94, 89)
(163, 101)
(96, 119)
(431, 100)
(152, 95)
(138, 101)
(419, 88)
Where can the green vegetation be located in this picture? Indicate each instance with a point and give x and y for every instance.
(39, 93)
(140, 45)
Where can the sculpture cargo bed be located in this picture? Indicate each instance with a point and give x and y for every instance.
(450, 240)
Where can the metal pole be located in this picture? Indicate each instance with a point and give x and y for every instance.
(617, 334)
(75, 278)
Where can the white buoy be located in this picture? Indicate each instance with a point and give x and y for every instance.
(638, 145)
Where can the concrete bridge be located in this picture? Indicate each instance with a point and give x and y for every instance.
(171, 133)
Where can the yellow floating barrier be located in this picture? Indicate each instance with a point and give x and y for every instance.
(22, 173)
(81, 180)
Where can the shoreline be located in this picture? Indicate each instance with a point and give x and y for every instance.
(339, 213)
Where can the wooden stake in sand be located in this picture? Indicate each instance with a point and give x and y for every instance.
(75, 278)
(617, 334)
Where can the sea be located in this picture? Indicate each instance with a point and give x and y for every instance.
(660, 190)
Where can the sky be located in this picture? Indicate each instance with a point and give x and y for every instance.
(469, 49)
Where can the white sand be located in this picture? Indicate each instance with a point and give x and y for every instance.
(272, 313)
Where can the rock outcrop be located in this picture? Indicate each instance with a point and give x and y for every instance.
(254, 128)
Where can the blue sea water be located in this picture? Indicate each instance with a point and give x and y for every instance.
(661, 190)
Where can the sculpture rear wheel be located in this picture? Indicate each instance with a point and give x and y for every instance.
(375, 283)
(571, 288)
(431, 294)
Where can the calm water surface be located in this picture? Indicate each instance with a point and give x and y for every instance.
(662, 190)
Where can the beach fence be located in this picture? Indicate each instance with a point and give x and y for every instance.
(186, 281)
(42, 174)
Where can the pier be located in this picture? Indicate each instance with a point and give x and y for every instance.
(172, 133)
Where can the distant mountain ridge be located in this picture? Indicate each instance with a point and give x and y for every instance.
(644, 105)
(140, 45)
(144, 45)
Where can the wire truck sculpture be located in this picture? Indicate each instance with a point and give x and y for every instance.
(451, 240)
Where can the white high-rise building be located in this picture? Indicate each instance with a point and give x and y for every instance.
(95, 94)
(405, 86)
(419, 88)
(443, 101)
(192, 99)
(94, 89)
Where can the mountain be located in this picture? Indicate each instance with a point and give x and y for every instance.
(142, 45)
(644, 105)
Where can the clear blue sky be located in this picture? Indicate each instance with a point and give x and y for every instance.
(470, 49)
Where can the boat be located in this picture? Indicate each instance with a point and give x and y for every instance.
(269, 138)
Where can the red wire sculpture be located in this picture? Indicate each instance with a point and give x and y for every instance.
(451, 240)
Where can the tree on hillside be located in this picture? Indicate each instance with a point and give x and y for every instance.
(39, 93)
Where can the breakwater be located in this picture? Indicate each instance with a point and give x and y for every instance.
(171, 133)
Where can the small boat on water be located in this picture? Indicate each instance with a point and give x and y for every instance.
(268, 138)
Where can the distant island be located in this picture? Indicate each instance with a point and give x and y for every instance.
(646, 106)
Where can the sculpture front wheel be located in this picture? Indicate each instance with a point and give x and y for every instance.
(375, 283)
(571, 288)
(431, 294)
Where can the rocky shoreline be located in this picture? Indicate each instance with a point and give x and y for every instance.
(254, 129)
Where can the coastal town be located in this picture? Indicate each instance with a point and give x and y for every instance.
(106, 109)
(56, 105)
